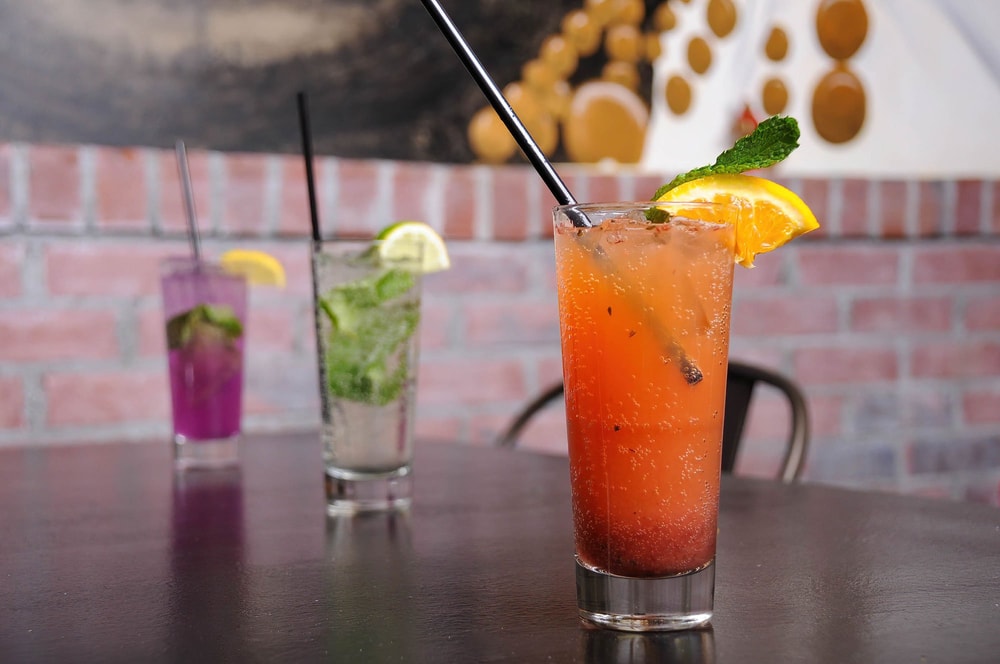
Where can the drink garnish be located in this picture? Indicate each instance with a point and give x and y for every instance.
(771, 142)
(368, 329)
(412, 241)
(203, 322)
(371, 321)
(259, 268)
(769, 215)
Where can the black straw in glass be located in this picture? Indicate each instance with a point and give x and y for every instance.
(307, 155)
(504, 110)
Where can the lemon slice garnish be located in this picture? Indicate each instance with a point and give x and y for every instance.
(259, 268)
(415, 241)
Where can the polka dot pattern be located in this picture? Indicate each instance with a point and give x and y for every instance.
(839, 101)
(603, 114)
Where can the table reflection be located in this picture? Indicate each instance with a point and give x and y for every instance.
(604, 646)
(362, 537)
(208, 597)
(369, 554)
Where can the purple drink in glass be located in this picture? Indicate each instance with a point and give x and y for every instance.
(205, 309)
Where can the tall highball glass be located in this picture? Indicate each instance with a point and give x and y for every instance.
(367, 320)
(205, 312)
(644, 307)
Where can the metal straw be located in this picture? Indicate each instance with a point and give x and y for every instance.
(505, 111)
(307, 154)
(535, 155)
(305, 130)
(188, 194)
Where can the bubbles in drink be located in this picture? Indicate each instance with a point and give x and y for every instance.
(645, 444)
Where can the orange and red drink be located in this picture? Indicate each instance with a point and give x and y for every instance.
(644, 311)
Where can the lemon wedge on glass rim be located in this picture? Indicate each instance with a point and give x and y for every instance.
(414, 241)
(770, 215)
(259, 268)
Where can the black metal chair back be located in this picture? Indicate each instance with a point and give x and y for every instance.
(742, 378)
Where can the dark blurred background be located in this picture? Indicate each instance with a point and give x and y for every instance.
(223, 74)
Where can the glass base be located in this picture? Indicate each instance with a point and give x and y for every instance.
(645, 605)
(206, 454)
(350, 492)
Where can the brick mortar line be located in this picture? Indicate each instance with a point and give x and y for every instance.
(986, 204)
(35, 283)
(210, 222)
(92, 366)
(911, 209)
(541, 351)
(385, 195)
(18, 178)
(88, 188)
(154, 193)
(271, 204)
(217, 234)
(139, 432)
(835, 207)
(454, 332)
(434, 202)
(35, 402)
(949, 203)
(907, 271)
(536, 227)
(483, 222)
(469, 411)
(326, 171)
(873, 224)
(959, 306)
(127, 333)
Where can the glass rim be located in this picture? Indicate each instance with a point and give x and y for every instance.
(189, 264)
(633, 205)
(336, 242)
(187, 261)
(361, 251)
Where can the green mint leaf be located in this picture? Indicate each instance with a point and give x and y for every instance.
(772, 141)
(370, 365)
(392, 284)
(223, 318)
(658, 216)
(178, 330)
(203, 321)
(343, 304)
(364, 352)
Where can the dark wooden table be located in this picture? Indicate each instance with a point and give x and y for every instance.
(106, 557)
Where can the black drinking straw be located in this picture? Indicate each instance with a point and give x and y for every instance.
(307, 155)
(520, 133)
(505, 111)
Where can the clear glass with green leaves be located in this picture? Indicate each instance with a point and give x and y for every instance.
(367, 321)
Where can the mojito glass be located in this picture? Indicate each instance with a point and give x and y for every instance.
(367, 319)
(205, 313)
(644, 307)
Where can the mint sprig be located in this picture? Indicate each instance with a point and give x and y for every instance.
(203, 321)
(772, 141)
(371, 322)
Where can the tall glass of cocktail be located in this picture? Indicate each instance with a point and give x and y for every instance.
(205, 312)
(644, 307)
(368, 311)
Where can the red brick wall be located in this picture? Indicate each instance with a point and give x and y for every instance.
(889, 315)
